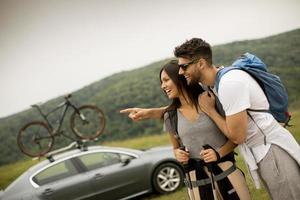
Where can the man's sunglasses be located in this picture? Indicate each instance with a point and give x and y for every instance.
(186, 65)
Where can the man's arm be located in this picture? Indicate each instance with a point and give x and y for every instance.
(207, 105)
(137, 114)
(234, 126)
(237, 126)
(235, 97)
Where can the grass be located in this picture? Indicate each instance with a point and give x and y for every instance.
(10, 172)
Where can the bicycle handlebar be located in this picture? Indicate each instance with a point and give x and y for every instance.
(68, 96)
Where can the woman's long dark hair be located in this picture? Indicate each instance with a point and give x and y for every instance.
(192, 91)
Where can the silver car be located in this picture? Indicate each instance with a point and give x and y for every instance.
(99, 173)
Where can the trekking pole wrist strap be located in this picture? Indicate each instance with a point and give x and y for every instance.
(217, 154)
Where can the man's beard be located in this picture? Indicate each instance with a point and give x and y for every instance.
(195, 79)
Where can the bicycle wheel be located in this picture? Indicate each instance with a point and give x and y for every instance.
(88, 122)
(35, 139)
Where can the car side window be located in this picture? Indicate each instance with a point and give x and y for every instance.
(56, 172)
(99, 159)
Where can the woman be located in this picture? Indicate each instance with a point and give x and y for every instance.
(190, 130)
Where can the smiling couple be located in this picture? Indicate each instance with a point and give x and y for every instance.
(206, 125)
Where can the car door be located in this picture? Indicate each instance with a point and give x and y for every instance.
(113, 178)
(62, 181)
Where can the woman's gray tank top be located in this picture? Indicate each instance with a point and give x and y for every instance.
(195, 134)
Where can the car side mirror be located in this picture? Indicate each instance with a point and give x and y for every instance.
(125, 161)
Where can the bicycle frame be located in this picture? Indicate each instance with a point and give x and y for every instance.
(65, 105)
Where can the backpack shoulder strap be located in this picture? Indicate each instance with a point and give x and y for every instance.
(220, 74)
(265, 138)
(174, 124)
(218, 106)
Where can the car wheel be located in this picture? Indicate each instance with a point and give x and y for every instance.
(167, 177)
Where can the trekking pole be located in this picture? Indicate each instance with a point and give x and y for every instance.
(188, 177)
(209, 167)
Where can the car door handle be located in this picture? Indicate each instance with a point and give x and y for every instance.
(98, 176)
(48, 192)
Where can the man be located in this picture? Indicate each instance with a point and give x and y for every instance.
(276, 162)
(238, 91)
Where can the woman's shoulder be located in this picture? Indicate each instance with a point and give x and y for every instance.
(169, 114)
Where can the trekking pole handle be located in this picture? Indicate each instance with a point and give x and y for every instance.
(185, 165)
(205, 147)
(209, 166)
(182, 148)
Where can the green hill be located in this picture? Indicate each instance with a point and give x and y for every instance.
(140, 87)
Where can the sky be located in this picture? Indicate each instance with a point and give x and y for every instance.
(52, 47)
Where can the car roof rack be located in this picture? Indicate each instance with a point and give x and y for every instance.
(79, 144)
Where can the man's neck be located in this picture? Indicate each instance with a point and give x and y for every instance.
(211, 75)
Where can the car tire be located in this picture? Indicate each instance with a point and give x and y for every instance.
(167, 177)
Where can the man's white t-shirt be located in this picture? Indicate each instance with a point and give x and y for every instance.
(238, 91)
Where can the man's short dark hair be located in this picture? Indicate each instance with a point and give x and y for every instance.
(193, 49)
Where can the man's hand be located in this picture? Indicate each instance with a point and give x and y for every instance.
(207, 101)
(136, 114)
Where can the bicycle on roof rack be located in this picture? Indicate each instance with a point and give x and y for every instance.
(36, 138)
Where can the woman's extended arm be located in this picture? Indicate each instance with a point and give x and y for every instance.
(137, 114)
